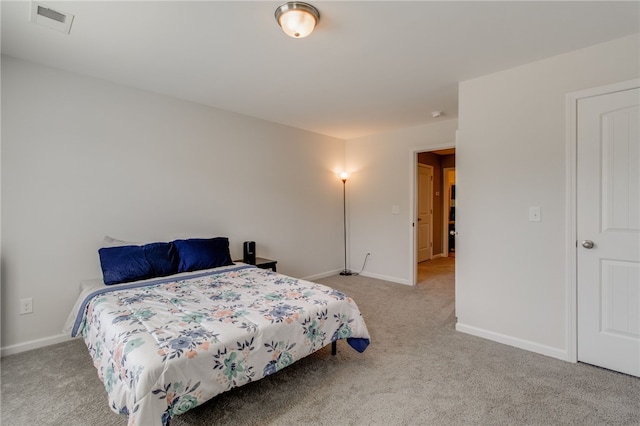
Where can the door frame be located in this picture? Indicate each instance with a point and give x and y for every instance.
(571, 251)
(413, 188)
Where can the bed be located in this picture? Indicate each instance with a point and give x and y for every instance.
(166, 344)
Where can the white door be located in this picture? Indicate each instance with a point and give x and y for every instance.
(425, 212)
(608, 230)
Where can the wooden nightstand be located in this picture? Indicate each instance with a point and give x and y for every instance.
(263, 263)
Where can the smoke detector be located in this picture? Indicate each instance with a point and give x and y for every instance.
(436, 114)
(51, 18)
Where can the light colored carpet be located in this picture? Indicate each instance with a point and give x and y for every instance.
(417, 371)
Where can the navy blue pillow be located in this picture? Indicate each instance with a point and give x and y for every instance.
(202, 253)
(132, 263)
(162, 257)
(123, 264)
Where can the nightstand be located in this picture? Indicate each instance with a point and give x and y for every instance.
(263, 263)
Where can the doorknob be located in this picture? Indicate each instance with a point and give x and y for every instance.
(588, 244)
(452, 232)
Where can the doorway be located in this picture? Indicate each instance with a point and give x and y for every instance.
(440, 208)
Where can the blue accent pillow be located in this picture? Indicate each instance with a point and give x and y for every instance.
(162, 257)
(132, 263)
(202, 253)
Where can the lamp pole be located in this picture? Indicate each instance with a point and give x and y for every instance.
(345, 271)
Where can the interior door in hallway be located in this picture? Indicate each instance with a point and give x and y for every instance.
(425, 212)
(608, 230)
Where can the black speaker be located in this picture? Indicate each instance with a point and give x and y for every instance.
(249, 252)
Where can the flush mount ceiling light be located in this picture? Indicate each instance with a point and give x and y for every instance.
(297, 19)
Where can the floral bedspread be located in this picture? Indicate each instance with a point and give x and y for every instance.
(164, 348)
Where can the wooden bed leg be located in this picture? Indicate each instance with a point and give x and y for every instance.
(334, 348)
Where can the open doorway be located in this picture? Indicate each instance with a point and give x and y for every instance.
(434, 248)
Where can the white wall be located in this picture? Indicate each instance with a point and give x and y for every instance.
(511, 275)
(382, 175)
(84, 158)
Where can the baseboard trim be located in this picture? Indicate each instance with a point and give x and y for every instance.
(527, 345)
(364, 274)
(322, 275)
(33, 344)
(386, 278)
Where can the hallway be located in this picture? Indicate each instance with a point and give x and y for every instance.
(436, 270)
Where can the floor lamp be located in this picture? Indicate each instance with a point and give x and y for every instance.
(344, 176)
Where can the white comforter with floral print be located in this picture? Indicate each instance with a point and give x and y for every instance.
(166, 346)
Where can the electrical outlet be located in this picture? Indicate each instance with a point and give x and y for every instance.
(26, 306)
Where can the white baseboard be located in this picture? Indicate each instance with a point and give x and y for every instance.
(386, 278)
(527, 345)
(364, 274)
(33, 344)
(322, 275)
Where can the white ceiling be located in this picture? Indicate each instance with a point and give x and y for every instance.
(370, 66)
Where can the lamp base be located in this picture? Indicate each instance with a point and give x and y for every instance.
(346, 272)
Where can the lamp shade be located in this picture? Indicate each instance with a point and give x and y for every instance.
(297, 19)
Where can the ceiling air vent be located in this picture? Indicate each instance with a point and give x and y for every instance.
(51, 18)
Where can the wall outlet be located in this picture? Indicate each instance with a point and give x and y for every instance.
(26, 306)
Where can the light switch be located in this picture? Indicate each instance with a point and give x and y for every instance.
(534, 214)
(395, 209)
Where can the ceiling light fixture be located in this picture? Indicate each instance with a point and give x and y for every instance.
(297, 19)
